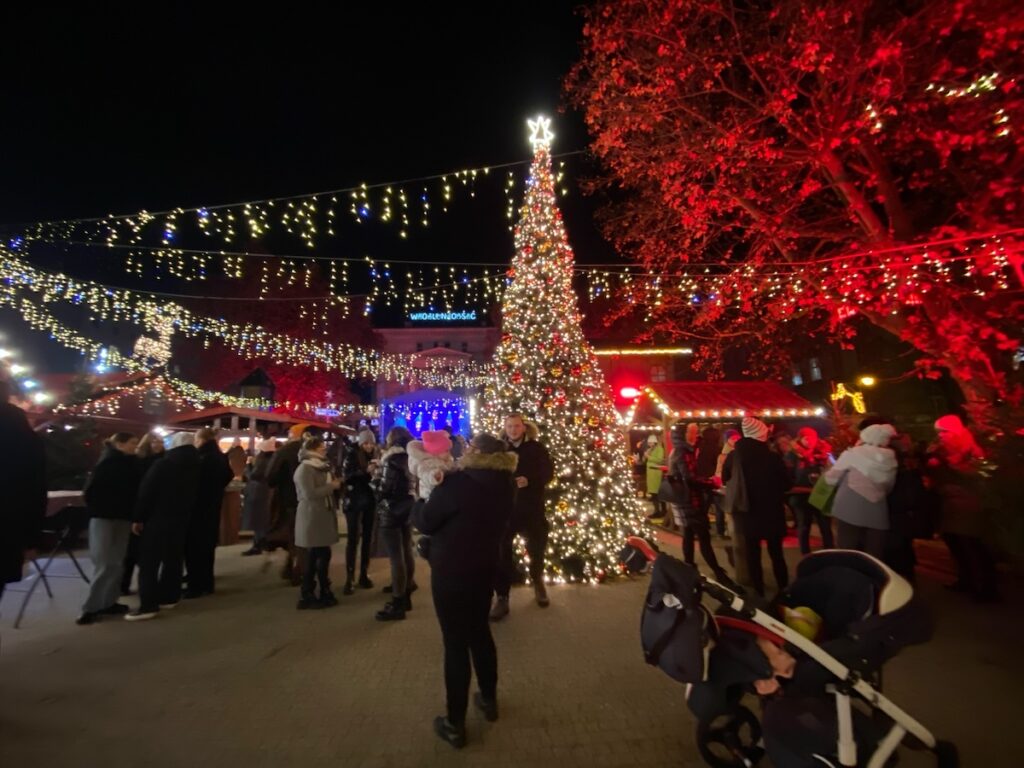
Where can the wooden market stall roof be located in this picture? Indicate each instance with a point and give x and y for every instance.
(199, 418)
(722, 400)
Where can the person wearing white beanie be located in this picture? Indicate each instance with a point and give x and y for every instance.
(756, 481)
(754, 429)
(864, 475)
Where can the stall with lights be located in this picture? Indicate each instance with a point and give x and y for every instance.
(656, 407)
(428, 409)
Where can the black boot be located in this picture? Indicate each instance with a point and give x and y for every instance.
(454, 734)
(392, 611)
(327, 598)
(347, 589)
(364, 582)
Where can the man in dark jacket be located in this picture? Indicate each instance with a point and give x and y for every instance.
(359, 508)
(23, 478)
(167, 496)
(467, 516)
(110, 498)
(204, 525)
(535, 470)
(281, 477)
(763, 516)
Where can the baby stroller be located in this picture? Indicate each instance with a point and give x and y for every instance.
(830, 712)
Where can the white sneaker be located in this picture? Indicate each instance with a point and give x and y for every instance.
(139, 615)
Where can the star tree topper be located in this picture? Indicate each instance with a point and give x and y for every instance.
(541, 136)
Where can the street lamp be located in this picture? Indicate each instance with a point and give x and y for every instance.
(867, 381)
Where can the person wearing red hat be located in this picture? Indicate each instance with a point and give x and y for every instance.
(807, 459)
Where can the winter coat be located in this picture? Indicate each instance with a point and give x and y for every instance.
(865, 474)
(356, 474)
(466, 517)
(396, 488)
(536, 466)
(654, 462)
(23, 478)
(169, 489)
(113, 485)
(806, 466)
(959, 486)
(767, 481)
(281, 474)
(427, 467)
(256, 494)
(214, 475)
(316, 520)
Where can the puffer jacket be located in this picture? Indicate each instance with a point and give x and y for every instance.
(865, 474)
(395, 488)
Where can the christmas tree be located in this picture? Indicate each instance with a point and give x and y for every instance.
(546, 369)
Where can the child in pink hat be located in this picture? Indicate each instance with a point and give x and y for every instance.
(429, 458)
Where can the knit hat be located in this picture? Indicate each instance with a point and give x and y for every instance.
(809, 435)
(755, 428)
(178, 439)
(436, 443)
(366, 436)
(878, 435)
(486, 443)
(652, 440)
(295, 433)
(949, 423)
(266, 446)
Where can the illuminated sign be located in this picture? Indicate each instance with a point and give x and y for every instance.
(443, 317)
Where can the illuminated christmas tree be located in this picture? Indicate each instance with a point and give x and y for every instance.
(547, 369)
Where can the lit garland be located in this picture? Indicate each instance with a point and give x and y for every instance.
(547, 369)
(249, 340)
(714, 414)
(405, 205)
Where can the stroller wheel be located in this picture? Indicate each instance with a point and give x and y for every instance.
(731, 740)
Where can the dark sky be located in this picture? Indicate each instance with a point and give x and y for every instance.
(114, 110)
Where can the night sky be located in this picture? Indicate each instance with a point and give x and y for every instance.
(114, 111)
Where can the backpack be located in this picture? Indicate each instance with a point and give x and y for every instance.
(676, 631)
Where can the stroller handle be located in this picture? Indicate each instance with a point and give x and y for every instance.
(737, 602)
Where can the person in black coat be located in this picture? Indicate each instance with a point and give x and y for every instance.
(466, 517)
(534, 471)
(110, 498)
(166, 498)
(285, 503)
(23, 478)
(359, 506)
(204, 525)
(150, 451)
(763, 516)
(395, 495)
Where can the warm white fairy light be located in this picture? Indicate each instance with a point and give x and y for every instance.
(547, 369)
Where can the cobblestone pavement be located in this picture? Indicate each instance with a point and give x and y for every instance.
(243, 679)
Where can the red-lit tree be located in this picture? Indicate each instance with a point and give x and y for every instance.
(795, 150)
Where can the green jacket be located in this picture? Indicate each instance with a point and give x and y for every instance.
(655, 460)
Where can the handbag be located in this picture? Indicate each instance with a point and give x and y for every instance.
(823, 495)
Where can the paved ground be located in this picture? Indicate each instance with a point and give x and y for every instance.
(243, 679)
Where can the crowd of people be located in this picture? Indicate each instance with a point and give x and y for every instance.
(158, 510)
(880, 494)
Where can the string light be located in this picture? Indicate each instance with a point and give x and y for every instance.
(545, 368)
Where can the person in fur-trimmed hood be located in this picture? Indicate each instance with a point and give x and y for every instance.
(864, 475)
(316, 522)
(396, 490)
(533, 472)
(467, 517)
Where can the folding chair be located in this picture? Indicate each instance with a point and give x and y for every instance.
(64, 529)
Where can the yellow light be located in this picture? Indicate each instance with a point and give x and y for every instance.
(867, 381)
